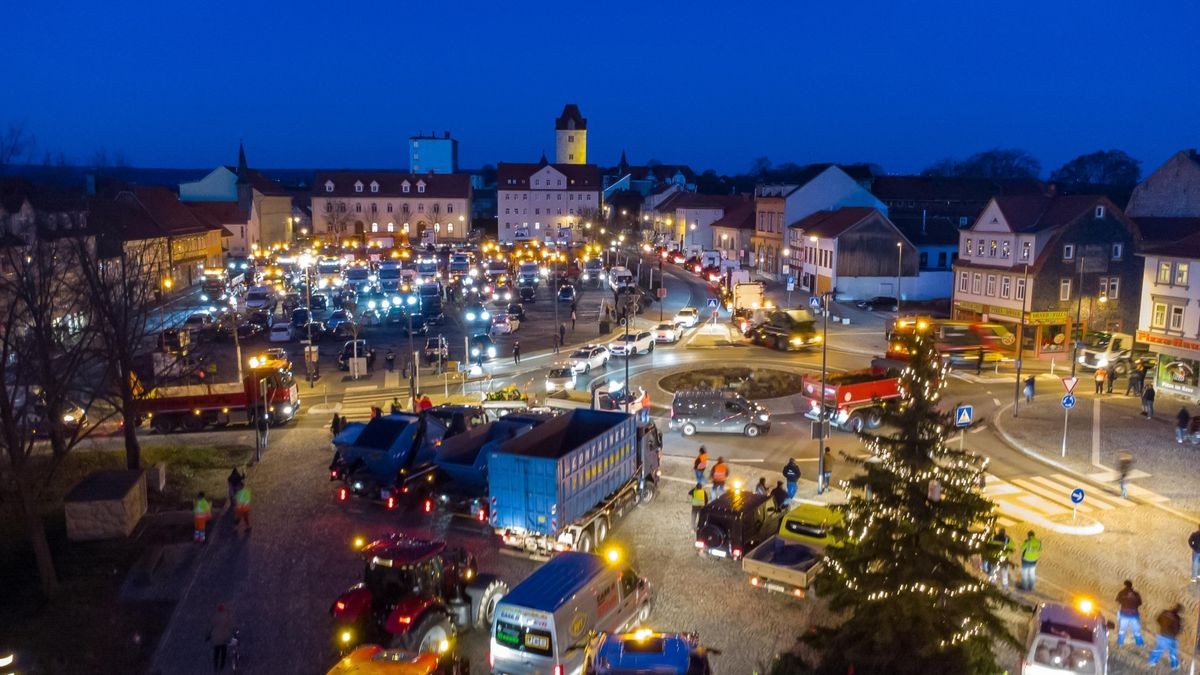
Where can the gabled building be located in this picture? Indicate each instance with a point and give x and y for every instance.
(1052, 267)
(391, 208)
(684, 220)
(855, 252)
(271, 216)
(552, 203)
(732, 232)
(647, 180)
(192, 243)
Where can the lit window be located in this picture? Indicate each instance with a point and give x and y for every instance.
(374, 227)
(391, 227)
(1068, 251)
(991, 285)
(1164, 273)
(1004, 249)
(1064, 289)
(1025, 248)
(970, 245)
(449, 227)
(992, 248)
(1158, 319)
(1181, 274)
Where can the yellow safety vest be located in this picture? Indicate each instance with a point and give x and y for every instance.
(202, 508)
(242, 497)
(1031, 550)
(699, 497)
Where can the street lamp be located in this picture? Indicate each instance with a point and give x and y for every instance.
(899, 268)
(822, 418)
(787, 252)
(306, 261)
(693, 229)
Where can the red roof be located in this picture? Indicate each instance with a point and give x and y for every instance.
(391, 184)
(171, 215)
(1033, 213)
(219, 214)
(831, 224)
(579, 176)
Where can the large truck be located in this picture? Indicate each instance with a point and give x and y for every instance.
(1115, 351)
(787, 329)
(852, 399)
(567, 482)
(959, 342)
(267, 390)
(378, 459)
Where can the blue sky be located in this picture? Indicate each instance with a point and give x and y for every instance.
(328, 84)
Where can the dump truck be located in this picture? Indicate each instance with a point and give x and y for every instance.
(268, 390)
(789, 561)
(377, 459)
(852, 399)
(564, 484)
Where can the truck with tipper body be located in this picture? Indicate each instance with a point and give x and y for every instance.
(1118, 352)
(852, 399)
(267, 390)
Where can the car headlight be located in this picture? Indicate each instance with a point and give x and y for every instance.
(816, 339)
(287, 410)
(491, 351)
(411, 300)
(470, 316)
(763, 416)
(203, 297)
(586, 276)
(485, 316)
(68, 418)
(797, 341)
(507, 297)
(549, 385)
(357, 485)
(475, 351)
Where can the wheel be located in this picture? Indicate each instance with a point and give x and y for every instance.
(193, 423)
(587, 369)
(651, 349)
(489, 598)
(1121, 369)
(432, 631)
(781, 344)
(874, 419)
(751, 431)
(649, 491)
(163, 425)
(643, 615)
(855, 423)
(689, 429)
(601, 531)
(585, 543)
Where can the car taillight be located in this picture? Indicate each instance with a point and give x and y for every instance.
(333, 473)
(391, 502)
(341, 494)
(699, 544)
(428, 506)
(753, 581)
(404, 620)
(482, 515)
(798, 593)
(341, 605)
(558, 669)
(737, 553)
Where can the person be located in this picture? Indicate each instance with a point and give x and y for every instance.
(220, 632)
(241, 504)
(828, 467)
(556, 341)
(1148, 401)
(699, 499)
(1128, 616)
(1169, 626)
(572, 317)
(1101, 377)
(720, 472)
(395, 405)
(370, 359)
(390, 358)
(791, 474)
(342, 422)
(236, 480)
(1194, 544)
(1124, 465)
(458, 425)
(425, 404)
(336, 425)
(1131, 385)
(1029, 389)
(517, 352)
(1000, 566)
(1112, 377)
(761, 487)
(979, 362)
(701, 464)
(201, 514)
(778, 495)
(562, 332)
(376, 411)
(1031, 551)
(1181, 424)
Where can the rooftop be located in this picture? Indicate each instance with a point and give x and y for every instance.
(831, 224)
(553, 584)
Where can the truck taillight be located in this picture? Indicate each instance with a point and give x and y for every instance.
(481, 516)
(342, 494)
(428, 506)
(700, 544)
(391, 502)
(737, 553)
(754, 581)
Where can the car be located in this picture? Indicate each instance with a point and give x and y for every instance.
(560, 378)
(199, 321)
(245, 331)
(515, 310)
(262, 318)
(351, 349)
(632, 344)
(566, 293)
(476, 315)
(668, 332)
(1066, 639)
(260, 297)
(281, 332)
(339, 317)
(300, 317)
(316, 329)
(884, 302)
(527, 293)
(435, 348)
(687, 317)
(503, 324)
(318, 302)
(585, 358)
(482, 348)
(735, 522)
(644, 651)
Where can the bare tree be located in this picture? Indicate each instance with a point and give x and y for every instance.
(16, 142)
(337, 218)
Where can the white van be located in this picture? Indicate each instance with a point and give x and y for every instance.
(542, 625)
(620, 278)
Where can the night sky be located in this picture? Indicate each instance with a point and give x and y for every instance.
(330, 84)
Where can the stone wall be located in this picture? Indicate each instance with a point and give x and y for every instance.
(105, 505)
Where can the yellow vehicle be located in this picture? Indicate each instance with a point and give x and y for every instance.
(810, 524)
(375, 660)
(789, 561)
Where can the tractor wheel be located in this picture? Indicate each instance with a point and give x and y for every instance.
(429, 634)
(874, 419)
(855, 423)
(492, 594)
(689, 429)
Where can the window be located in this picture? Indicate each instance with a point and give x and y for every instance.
(358, 186)
(941, 260)
(1164, 273)
(979, 248)
(389, 207)
(1158, 318)
(342, 208)
(1099, 211)
(391, 227)
(358, 208)
(1004, 249)
(962, 221)
(1021, 290)
(1181, 274)
(374, 227)
(571, 157)
(963, 282)
(1114, 284)
(1025, 248)
(329, 186)
(328, 207)
(374, 207)
(977, 283)
(1005, 287)
(970, 244)
(1064, 289)
(421, 186)
(449, 208)
(374, 186)
(991, 285)
(924, 260)
(420, 208)
(1118, 250)
(570, 139)
(1176, 318)
(404, 187)
(404, 207)
(1068, 251)
(992, 248)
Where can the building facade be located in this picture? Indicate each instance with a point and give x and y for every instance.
(570, 136)
(268, 205)
(437, 154)
(1052, 268)
(854, 252)
(1169, 321)
(552, 203)
(391, 208)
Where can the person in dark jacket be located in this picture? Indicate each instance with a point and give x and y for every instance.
(336, 425)
(1169, 626)
(516, 352)
(1029, 381)
(1194, 544)
(458, 424)
(1181, 424)
(791, 474)
(1148, 402)
(1129, 615)
(1112, 377)
(779, 495)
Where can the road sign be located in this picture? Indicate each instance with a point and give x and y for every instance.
(1069, 383)
(1077, 496)
(1068, 401)
(963, 415)
(791, 285)
(661, 292)
(786, 269)
(819, 430)
(712, 303)
(815, 302)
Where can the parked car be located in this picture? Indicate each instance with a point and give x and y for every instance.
(262, 318)
(632, 344)
(281, 332)
(246, 331)
(687, 317)
(199, 321)
(503, 324)
(339, 317)
(1066, 639)
(349, 350)
(883, 302)
(516, 310)
(668, 332)
(315, 329)
(560, 378)
(318, 302)
(300, 317)
(566, 293)
(435, 348)
(582, 360)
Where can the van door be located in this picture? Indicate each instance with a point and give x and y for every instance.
(733, 417)
(630, 585)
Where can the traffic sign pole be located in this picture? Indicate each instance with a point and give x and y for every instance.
(1066, 416)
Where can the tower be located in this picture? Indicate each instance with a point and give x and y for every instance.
(570, 130)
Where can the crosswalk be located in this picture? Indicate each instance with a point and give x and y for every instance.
(1040, 498)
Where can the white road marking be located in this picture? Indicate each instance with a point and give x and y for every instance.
(996, 401)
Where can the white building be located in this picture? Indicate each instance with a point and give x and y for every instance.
(391, 208)
(552, 203)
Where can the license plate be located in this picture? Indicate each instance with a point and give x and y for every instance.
(718, 552)
(775, 587)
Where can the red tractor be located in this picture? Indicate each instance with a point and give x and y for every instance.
(416, 594)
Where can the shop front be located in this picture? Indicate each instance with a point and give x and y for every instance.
(1042, 334)
(1177, 364)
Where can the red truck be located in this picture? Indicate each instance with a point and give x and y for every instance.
(851, 397)
(194, 407)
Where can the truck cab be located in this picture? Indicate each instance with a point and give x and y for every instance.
(1117, 351)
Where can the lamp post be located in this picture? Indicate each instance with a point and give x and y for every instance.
(821, 487)
(1021, 341)
(787, 252)
(899, 270)
(692, 227)
(306, 262)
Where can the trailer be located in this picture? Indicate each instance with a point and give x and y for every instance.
(566, 483)
(381, 459)
(268, 390)
(852, 399)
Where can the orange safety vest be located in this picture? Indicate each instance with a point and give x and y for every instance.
(720, 472)
(702, 461)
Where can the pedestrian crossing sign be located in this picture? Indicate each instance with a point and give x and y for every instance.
(712, 303)
(963, 415)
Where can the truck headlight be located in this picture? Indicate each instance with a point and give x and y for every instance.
(797, 341)
(475, 351)
(491, 351)
(287, 410)
(485, 315)
(470, 316)
(68, 418)
(1102, 362)
(816, 339)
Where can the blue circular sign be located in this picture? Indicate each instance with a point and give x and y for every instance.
(1076, 495)
(1068, 401)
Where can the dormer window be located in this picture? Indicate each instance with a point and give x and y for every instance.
(358, 186)
(329, 186)
(374, 186)
(421, 186)
(404, 186)
(1099, 211)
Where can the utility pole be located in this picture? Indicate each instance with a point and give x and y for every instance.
(661, 284)
(899, 270)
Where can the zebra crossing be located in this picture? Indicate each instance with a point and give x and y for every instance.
(1040, 498)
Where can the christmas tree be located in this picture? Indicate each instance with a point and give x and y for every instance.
(904, 577)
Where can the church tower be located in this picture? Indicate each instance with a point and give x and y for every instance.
(571, 135)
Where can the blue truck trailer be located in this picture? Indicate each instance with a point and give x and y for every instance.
(567, 482)
(374, 458)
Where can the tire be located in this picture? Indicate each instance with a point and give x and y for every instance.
(429, 633)
(192, 423)
(489, 598)
(874, 419)
(643, 615)
(780, 344)
(585, 542)
(688, 429)
(651, 350)
(163, 425)
(601, 530)
(649, 491)
(587, 369)
(855, 423)
(751, 431)
(1121, 369)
